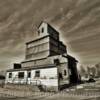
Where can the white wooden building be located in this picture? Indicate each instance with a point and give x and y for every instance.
(46, 63)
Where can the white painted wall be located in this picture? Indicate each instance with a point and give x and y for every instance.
(15, 78)
(48, 73)
(43, 25)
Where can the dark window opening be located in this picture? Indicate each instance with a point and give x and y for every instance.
(21, 75)
(37, 73)
(17, 66)
(60, 76)
(2, 77)
(29, 74)
(56, 61)
(65, 73)
(42, 30)
(10, 75)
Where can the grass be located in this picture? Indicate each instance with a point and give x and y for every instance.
(73, 93)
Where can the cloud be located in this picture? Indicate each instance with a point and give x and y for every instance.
(77, 20)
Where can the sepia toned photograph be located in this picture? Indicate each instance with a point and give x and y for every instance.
(49, 49)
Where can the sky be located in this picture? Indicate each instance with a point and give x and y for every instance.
(78, 22)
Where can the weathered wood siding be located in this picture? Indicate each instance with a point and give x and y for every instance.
(38, 49)
(65, 78)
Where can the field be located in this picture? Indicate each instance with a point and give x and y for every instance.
(88, 91)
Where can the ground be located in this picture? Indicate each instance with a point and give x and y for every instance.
(88, 91)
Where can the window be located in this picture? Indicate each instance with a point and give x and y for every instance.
(10, 75)
(60, 76)
(21, 75)
(29, 74)
(42, 30)
(56, 61)
(37, 73)
(65, 73)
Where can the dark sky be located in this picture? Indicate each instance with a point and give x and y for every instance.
(77, 20)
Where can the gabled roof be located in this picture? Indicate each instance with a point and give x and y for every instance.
(42, 23)
(48, 26)
(43, 36)
(70, 57)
